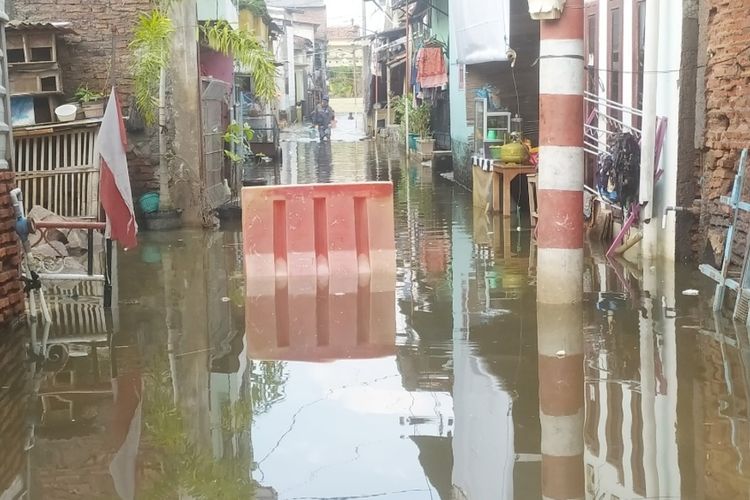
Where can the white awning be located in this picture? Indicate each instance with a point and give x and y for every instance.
(482, 30)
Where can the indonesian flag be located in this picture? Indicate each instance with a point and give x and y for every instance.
(114, 185)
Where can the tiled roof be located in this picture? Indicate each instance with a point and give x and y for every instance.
(342, 32)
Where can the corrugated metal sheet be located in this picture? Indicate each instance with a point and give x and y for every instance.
(60, 27)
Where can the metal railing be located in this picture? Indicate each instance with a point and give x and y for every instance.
(604, 119)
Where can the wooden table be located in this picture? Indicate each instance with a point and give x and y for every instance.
(508, 172)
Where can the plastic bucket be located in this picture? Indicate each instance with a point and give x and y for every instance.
(149, 203)
(413, 141)
(66, 112)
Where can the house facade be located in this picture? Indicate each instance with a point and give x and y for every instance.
(301, 52)
(615, 54)
(515, 82)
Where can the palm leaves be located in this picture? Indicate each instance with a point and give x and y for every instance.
(245, 48)
(150, 49)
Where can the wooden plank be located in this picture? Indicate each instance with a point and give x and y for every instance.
(711, 272)
(53, 174)
(50, 164)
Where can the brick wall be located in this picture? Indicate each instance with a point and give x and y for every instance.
(86, 59)
(11, 295)
(726, 24)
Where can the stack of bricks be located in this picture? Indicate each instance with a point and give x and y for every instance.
(727, 76)
(11, 294)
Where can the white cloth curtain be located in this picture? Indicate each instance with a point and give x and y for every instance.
(482, 30)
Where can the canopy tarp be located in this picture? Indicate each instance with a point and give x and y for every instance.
(482, 30)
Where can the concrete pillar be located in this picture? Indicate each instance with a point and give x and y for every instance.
(560, 254)
(560, 189)
(186, 148)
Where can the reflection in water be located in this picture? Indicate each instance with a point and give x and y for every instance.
(16, 436)
(449, 386)
(324, 163)
(321, 327)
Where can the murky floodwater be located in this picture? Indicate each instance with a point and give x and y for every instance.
(430, 392)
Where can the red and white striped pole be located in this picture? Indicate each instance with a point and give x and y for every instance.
(560, 253)
(560, 188)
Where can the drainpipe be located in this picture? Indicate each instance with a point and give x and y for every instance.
(649, 245)
(560, 253)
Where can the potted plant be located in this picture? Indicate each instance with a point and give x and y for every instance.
(421, 119)
(92, 102)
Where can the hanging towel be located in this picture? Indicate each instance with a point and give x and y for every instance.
(431, 69)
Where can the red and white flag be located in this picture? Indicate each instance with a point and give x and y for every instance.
(114, 181)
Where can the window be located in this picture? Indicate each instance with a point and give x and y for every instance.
(615, 54)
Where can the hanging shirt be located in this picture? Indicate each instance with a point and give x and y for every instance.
(432, 71)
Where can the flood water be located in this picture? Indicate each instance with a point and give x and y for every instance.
(429, 391)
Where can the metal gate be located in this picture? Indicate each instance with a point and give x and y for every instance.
(215, 111)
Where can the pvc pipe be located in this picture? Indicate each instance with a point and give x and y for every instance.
(648, 134)
(16, 198)
(72, 277)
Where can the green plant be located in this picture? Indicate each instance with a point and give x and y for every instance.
(257, 7)
(150, 51)
(176, 463)
(419, 116)
(341, 82)
(245, 48)
(238, 135)
(85, 95)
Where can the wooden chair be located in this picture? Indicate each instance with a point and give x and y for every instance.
(531, 179)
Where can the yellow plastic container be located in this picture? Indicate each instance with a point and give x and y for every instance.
(514, 152)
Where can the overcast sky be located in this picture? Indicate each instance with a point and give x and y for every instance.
(341, 13)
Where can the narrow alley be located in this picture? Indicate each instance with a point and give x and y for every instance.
(431, 392)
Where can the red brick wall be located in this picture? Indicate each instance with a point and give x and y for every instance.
(86, 59)
(727, 74)
(11, 295)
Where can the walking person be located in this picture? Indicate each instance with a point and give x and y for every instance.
(323, 117)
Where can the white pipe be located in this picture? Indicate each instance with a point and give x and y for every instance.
(71, 277)
(16, 199)
(648, 134)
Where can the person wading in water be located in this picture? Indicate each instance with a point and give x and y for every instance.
(323, 117)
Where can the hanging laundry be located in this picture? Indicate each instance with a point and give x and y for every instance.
(431, 68)
(618, 173)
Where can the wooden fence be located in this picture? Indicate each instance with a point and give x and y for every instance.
(56, 168)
